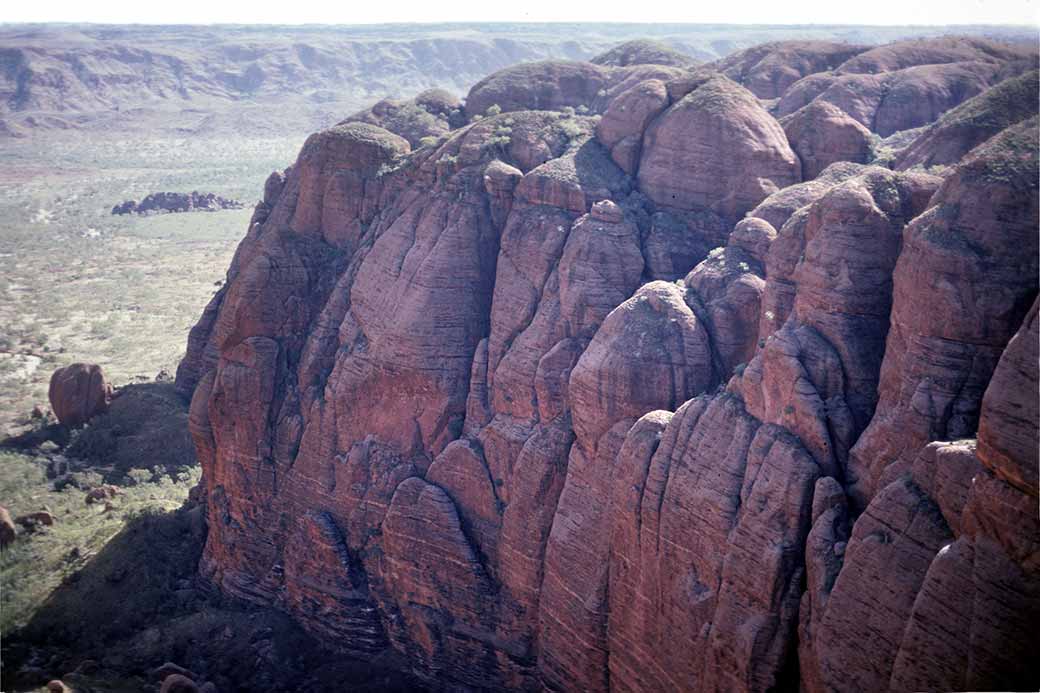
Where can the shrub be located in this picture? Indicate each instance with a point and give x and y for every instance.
(499, 142)
(570, 127)
(493, 110)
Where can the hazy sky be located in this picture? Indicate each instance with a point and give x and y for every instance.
(369, 11)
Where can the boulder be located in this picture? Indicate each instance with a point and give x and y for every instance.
(32, 520)
(101, 494)
(753, 236)
(78, 393)
(178, 683)
(8, 532)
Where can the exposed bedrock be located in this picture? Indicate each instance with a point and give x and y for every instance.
(910, 83)
(570, 402)
(958, 131)
(770, 69)
(965, 278)
(937, 585)
(716, 134)
(822, 134)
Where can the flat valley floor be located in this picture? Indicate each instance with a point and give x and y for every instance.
(78, 284)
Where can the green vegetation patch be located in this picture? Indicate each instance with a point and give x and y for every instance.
(40, 560)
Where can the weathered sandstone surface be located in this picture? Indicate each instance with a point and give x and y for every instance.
(908, 84)
(770, 69)
(78, 393)
(961, 129)
(619, 402)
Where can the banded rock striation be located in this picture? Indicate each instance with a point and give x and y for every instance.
(539, 407)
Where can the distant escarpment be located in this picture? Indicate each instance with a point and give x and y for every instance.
(264, 80)
(611, 380)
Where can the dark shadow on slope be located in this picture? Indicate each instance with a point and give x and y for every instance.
(146, 426)
(138, 604)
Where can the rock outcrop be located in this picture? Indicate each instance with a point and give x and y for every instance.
(935, 51)
(822, 134)
(770, 69)
(623, 404)
(165, 202)
(966, 276)
(908, 84)
(643, 52)
(431, 114)
(961, 129)
(78, 393)
(559, 84)
(8, 532)
(891, 101)
(716, 134)
(178, 683)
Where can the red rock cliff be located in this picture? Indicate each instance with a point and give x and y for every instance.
(537, 407)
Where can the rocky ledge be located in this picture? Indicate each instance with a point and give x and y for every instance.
(627, 385)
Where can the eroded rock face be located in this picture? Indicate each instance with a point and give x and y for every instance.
(942, 563)
(716, 133)
(431, 114)
(871, 206)
(78, 393)
(626, 118)
(822, 134)
(961, 288)
(1007, 431)
(963, 128)
(557, 84)
(888, 102)
(539, 407)
(769, 69)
